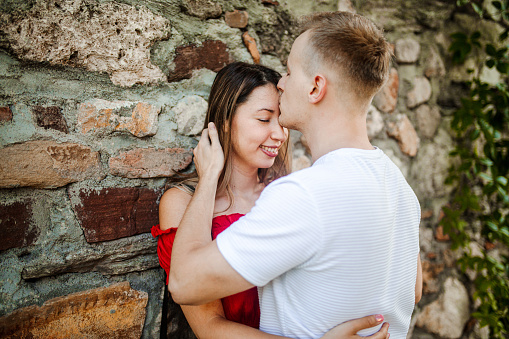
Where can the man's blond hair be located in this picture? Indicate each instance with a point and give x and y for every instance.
(350, 45)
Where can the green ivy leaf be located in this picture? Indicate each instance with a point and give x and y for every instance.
(477, 8)
(492, 226)
(502, 180)
(491, 50)
(503, 67)
(486, 177)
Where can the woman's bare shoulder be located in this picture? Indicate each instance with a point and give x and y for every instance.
(172, 206)
(176, 195)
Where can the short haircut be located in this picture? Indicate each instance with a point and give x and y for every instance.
(351, 45)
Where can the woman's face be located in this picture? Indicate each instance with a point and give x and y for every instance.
(256, 133)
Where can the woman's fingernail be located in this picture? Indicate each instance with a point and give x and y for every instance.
(212, 126)
(379, 317)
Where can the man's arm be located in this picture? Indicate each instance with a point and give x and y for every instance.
(199, 273)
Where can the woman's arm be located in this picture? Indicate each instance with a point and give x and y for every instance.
(208, 320)
(418, 280)
(210, 323)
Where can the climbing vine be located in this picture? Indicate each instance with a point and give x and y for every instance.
(477, 219)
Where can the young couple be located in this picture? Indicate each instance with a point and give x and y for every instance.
(330, 243)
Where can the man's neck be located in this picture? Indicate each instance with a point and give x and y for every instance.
(332, 134)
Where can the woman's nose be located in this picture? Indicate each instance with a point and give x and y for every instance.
(281, 84)
(278, 132)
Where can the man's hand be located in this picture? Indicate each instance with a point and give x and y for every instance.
(349, 329)
(208, 155)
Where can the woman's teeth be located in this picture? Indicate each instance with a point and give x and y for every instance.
(272, 150)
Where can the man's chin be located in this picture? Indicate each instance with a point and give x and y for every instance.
(282, 121)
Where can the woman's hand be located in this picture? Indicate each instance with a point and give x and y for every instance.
(208, 155)
(348, 330)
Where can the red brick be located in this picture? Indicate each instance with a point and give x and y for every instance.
(440, 236)
(50, 118)
(150, 162)
(5, 114)
(426, 214)
(116, 311)
(213, 54)
(15, 225)
(387, 98)
(431, 255)
(404, 132)
(430, 272)
(47, 164)
(113, 213)
(250, 43)
(489, 245)
(236, 19)
(101, 117)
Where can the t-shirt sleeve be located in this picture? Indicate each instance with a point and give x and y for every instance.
(281, 232)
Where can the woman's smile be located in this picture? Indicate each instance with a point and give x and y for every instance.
(271, 151)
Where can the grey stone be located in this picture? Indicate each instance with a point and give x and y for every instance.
(300, 7)
(300, 160)
(407, 50)
(447, 315)
(120, 256)
(428, 120)
(346, 6)
(374, 122)
(434, 64)
(403, 166)
(420, 93)
(152, 282)
(426, 239)
(107, 37)
(428, 176)
(480, 332)
(203, 9)
(190, 114)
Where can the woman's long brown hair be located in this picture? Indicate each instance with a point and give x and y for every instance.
(232, 86)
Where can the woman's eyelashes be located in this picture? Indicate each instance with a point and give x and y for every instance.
(264, 120)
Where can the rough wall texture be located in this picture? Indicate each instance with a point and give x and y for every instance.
(101, 101)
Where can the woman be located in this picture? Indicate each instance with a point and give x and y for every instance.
(244, 106)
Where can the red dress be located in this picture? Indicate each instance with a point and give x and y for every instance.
(242, 307)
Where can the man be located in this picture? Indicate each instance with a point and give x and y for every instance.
(333, 242)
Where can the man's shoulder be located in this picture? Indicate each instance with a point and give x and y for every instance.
(299, 178)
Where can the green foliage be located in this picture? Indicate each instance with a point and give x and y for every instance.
(480, 202)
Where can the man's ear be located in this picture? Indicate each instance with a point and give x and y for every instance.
(318, 90)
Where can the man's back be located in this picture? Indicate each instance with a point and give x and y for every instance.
(330, 243)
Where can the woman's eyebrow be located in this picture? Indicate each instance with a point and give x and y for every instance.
(266, 109)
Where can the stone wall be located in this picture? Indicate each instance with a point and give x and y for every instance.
(101, 102)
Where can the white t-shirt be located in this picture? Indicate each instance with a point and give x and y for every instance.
(330, 243)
